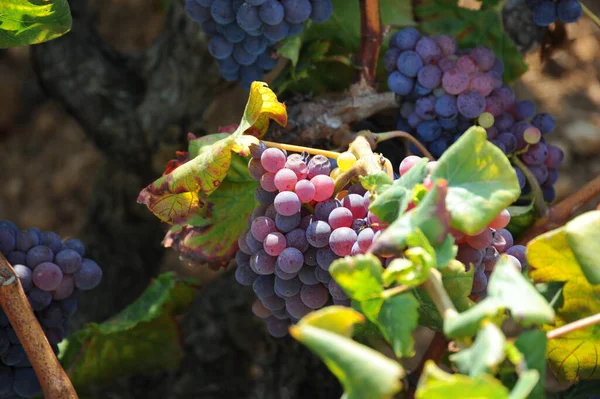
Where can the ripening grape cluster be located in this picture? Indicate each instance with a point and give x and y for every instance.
(445, 91)
(243, 32)
(546, 12)
(286, 253)
(51, 272)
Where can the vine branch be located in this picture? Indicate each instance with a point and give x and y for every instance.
(558, 214)
(574, 326)
(379, 137)
(52, 377)
(371, 37)
(590, 14)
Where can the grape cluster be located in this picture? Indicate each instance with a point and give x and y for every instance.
(51, 273)
(243, 32)
(445, 91)
(286, 253)
(546, 12)
(483, 249)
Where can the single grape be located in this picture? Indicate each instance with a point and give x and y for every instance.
(409, 63)
(244, 275)
(544, 122)
(283, 275)
(346, 160)
(519, 252)
(365, 238)
(400, 83)
(480, 281)
(51, 240)
(407, 163)
(259, 309)
(274, 243)
(569, 11)
(325, 257)
(324, 186)
(287, 223)
(288, 288)
(272, 160)
(341, 217)
(405, 39)
(341, 241)
(428, 49)
(515, 262)
(40, 254)
(305, 191)
(25, 276)
(321, 10)
(296, 308)
(314, 296)
(273, 302)
(467, 65)
(262, 263)
(545, 13)
(536, 154)
(470, 104)
(455, 82)
(430, 76)
(47, 276)
(87, 277)
(39, 299)
(469, 255)
(555, 157)
(277, 328)
(297, 239)
(267, 182)
(261, 227)
(256, 169)
(502, 240)
(356, 204)
(287, 203)
(307, 275)
(336, 291)
(296, 11)
(263, 286)
(264, 197)
(27, 239)
(484, 57)
(290, 260)
(501, 220)
(310, 256)
(318, 165)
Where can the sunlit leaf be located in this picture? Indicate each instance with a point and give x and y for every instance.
(362, 371)
(480, 185)
(397, 320)
(525, 385)
(24, 22)
(437, 384)
(571, 356)
(532, 344)
(581, 233)
(485, 354)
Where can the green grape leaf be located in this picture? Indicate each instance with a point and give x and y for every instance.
(521, 217)
(377, 182)
(437, 384)
(390, 203)
(290, 48)
(359, 276)
(397, 320)
(581, 390)
(200, 237)
(361, 279)
(102, 352)
(177, 194)
(362, 371)
(430, 216)
(480, 185)
(24, 22)
(581, 233)
(486, 353)
(532, 344)
(472, 28)
(457, 282)
(571, 356)
(525, 385)
(518, 295)
(467, 323)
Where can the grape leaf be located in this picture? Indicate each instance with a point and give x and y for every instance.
(430, 216)
(516, 294)
(572, 356)
(485, 354)
(528, 380)
(480, 185)
(24, 22)
(521, 217)
(361, 279)
(362, 371)
(390, 203)
(532, 344)
(472, 28)
(201, 237)
(437, 384)
(100, 353)
(175, 195)
(579, 235)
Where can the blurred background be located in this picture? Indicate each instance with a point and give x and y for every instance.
(77, 144)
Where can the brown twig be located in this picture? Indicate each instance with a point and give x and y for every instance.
(574, 326)
(371, 38)
(558, 214)
(53, 379)
(379, 137)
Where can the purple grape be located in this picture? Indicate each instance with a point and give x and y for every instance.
(480, 281)
(25, 276)
(39, 299)
(470, 104)
(341, 241)
(569, 11)
(540, 172)
(47, 276)
(336, 291)
(545, 13)
(425, 107)
(544, 122)
(296, 308)
(314, 296)
(536, 154)
(555, 157)
(7, 239)
(318, 165)
(68, 260)
(297, 239)
(277, 328)
(445, 106)
(409, 63)
(519, 252)
(310, 256)
(263, 286)
(262, 263)
(502, 240)
(307, 275)
(469, 255)
(484, 57)
(27, 239)
(52, 240)
(325, 257)
(244, 275)
(430, 76)
(390, 58)
(288, 288)
(318, 233)
(405, 39)
(87, 277)
(525, 109)
(322, 275)
(400, 83)
(287, 223)
(428, 49)
(290, 260)
(273, 303)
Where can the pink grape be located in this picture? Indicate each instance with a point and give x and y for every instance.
(341, 241)
(267, 182)
(374, 222)
(467, 65)
(501, 220)
(285, 180)
(365, 238)
(259, 309)
(340, 217)
(324, 187)
(305, 191)
(287, 203)
(356, 204)
(261, 227)
(272, 159)
(274, 243)
(481, 240)
(455, 82)
(297, 166)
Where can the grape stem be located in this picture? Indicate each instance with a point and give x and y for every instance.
(53, 379)
(574, 326)
(297, 148)
(560, 213)
(371, 36)
(538, 196)
(379, 137)
(590, 14)
(436, 291)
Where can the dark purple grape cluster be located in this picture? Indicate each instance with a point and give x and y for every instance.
(444, 91)
(546, 12)
(243, 33)
(286, 253)
(51, 272)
